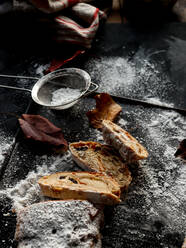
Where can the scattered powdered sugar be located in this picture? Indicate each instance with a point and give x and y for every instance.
(6, 143)
(163, 175)
(27, 191)
(176, 57)
(115, 74)
(122, 123)
(64, 95)
(4, 149)
(140, 78)
(40, 68)
(98, 136)
(152, 80)
(36, 71)
(158, 102)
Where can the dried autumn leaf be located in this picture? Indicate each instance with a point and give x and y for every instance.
(181, 151)
(41, 129)
(106, 109)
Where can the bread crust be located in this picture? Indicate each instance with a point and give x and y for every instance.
(94, 187)
(129, 148)
(93, 156)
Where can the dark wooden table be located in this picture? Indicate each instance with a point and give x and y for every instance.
(146, 65)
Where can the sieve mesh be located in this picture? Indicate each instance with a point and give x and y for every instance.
(61, 87)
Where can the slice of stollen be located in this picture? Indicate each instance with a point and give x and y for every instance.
(56, 224)
(129, 148)
(94, 156)
(91, 186)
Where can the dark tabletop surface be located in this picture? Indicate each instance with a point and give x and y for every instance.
(147, 65)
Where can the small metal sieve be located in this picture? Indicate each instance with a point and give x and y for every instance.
(74, 81)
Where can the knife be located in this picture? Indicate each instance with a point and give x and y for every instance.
(145, 103)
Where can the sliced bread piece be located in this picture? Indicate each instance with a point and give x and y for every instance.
(56, 224)
(94, 156)
(91, 186)
(129, 148)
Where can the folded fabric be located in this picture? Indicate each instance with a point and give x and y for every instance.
(72, 21)
(52, 6)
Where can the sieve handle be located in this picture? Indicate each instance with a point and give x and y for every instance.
(95, 87)
(18, 77)
(14, 88)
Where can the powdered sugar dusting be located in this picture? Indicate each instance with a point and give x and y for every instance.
(98, 136)
(40, 68)
(27, 191)
(158, 102)
(141, 78)
(64, 95)
(163, 176)
(5, 147)
(122, 123)
(114, 73)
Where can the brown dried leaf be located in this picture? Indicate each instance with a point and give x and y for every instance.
(106, 109)
(41, 129)
(181, 151)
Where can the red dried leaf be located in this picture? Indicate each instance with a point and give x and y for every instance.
(181, 151)
(106, 109)
(41, 123)
(57, 63)
(41, 129)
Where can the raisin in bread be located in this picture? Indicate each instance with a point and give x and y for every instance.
(129, 148)
(91, 186)
(56, 224)
(94, 156)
